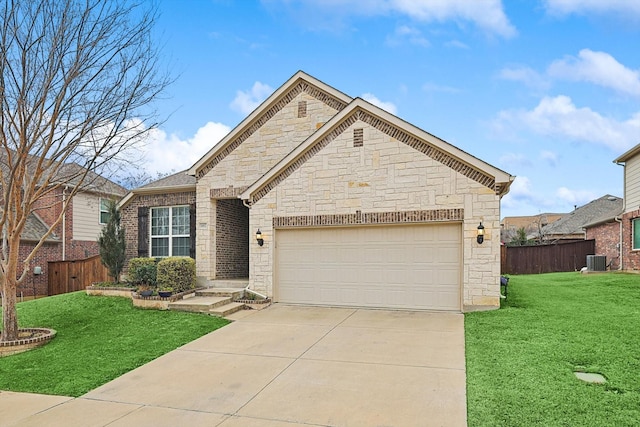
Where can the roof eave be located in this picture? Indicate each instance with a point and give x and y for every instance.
(155, 190)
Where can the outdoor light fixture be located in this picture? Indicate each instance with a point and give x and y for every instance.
(480, 237)
(259, 238)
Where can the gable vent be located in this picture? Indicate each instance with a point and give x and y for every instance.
(302, 109)
(358, 137)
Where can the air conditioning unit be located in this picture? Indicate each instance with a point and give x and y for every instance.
(596, 263)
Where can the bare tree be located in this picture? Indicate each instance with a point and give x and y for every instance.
(77, 81)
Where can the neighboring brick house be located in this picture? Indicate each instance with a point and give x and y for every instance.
(75, 237)
(572, 226)
(630, 217)
(320, 198)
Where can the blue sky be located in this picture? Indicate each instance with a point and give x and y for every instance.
(547, 90)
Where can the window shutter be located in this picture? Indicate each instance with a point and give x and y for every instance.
(192, 231)
(143, 231)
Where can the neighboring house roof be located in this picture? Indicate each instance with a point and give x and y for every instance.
(71, 173)
(299, 82)
(359, 109)
(177, 182)
(530, 221)
(35, 228)
(573, 223)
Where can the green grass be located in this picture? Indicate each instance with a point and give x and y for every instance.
(99, 339)
(521, 358)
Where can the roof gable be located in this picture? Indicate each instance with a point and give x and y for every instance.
(298, 83)
(359, 109)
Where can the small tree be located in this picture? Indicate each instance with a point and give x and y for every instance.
(111, 242)
(520, 239)
(77, 83)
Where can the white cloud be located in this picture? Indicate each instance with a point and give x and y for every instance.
(575, 197)
(526, 75)
(388, 106)
(165, 153)
(565, 7)
(404, 34)
(550, 157)
(247, 101)
(519, 193)
(599, 68)
(558, 117)
(488, 15)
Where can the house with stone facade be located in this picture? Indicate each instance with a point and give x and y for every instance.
(629, 219)
(323, 199)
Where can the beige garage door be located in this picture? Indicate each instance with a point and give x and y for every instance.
(408, 267)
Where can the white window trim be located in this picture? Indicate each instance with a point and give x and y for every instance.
(633, 233)
(100, 211)
(169, 236)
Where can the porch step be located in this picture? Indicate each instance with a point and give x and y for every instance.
(233, 293)
(202, 304)
(229, 283)
(227, 309)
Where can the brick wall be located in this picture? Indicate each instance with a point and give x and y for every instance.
(607, 237)
(630, 257)
(47, 252)
(129, 215)
(232, 239)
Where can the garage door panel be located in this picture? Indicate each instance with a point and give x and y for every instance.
(415, 267)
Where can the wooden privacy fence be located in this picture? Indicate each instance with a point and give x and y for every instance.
(546, 258)
(71, 276)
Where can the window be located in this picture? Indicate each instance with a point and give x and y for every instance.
(636, 233)
(170, 231)
(104, 211)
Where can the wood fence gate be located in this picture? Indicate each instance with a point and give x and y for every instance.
(546, 258)
(71, 276)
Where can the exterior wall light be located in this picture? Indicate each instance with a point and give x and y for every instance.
(259, 238)
(480, 237)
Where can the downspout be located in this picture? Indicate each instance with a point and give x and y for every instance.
(620, 252)
(64, 224)
(247, 204)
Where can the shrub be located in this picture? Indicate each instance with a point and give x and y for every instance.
(178, 273)
(143, 271)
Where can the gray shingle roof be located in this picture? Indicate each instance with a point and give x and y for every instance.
(606, 207)
(35, 228)
(179, 178)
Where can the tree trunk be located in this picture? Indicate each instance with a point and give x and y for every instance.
(9, 317)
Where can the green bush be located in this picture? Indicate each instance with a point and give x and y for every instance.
(143, 271)
(178, 273)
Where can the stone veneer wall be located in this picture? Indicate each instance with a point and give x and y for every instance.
(258, 148)
(232, 239)
(385, 177)
(129, 215)
(607, 237)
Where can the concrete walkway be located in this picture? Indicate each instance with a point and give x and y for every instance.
(284, 366)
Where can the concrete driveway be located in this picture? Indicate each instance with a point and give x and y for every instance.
(284, 366)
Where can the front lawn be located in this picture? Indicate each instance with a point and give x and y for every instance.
(99, 339)
(521, 358)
